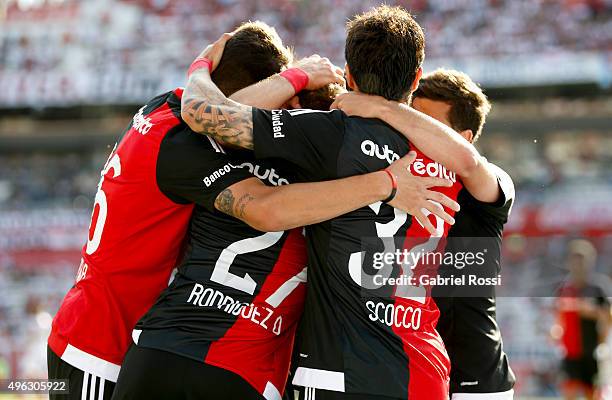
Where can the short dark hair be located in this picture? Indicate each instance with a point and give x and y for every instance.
(469, 105)
(254, 53)
(320, 99)
(385, 48)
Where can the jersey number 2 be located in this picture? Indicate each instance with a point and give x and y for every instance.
(222, 275)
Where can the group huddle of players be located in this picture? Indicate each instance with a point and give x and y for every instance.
(271, 207)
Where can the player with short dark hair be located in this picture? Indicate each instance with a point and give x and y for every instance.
(386, 37)
(359, 338)
(479, 366)
(144, 204)
(455, 99)
(224, 328)
(249, 65)
(137, 234)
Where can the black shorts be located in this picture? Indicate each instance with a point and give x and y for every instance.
(302, 393)
(155, 374)
(473, 340)
(583, 370)
(82, 385)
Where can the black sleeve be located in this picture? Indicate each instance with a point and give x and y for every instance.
(602, 298)
(193, 168)
(310, 139)
(500, 209)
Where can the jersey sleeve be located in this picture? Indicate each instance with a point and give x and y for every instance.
(603, 298)
(500, 209)
(310, 139)
(192, 168)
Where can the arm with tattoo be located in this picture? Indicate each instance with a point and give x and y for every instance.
(226, 203)
(207, 111)
(268, 208)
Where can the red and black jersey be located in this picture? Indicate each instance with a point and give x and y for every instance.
(580, 335)
(137, 234)
(238, 295)
(359, 334)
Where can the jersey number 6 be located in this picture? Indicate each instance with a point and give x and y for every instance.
(93, 242)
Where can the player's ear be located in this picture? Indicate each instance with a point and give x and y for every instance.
(350, 82)
(468, 135)
(417, 78)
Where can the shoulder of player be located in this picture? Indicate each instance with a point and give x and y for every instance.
(369, 145)
(172, 99)
(307, 116)
(505, 181)
(506, 186)
(371, 128)
(158, 115)
(599, 285)
(182, 137)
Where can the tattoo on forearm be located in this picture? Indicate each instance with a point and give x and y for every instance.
(215, 115)
(242, 203)
(226, 203)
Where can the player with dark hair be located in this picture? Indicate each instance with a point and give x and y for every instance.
(479, 366)
(224, 328)
(251, 58)
(153, 178)
(360, 338)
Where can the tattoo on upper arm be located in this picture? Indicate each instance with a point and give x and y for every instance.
(226, 203)
(215, 115)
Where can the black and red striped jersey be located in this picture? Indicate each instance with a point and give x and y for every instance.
(137, 233)
(368, 325)
(237, 296)
(580, 334)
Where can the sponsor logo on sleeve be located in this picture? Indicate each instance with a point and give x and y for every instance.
(265, 174)
(210, 179)
(140, 123)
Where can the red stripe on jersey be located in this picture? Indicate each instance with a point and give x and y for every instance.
(428, 361)
(135, 238)
(261, 355)
(569, 319)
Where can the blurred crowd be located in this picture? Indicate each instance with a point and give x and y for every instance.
(153, 34)
(544, 161)
(48, 179)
